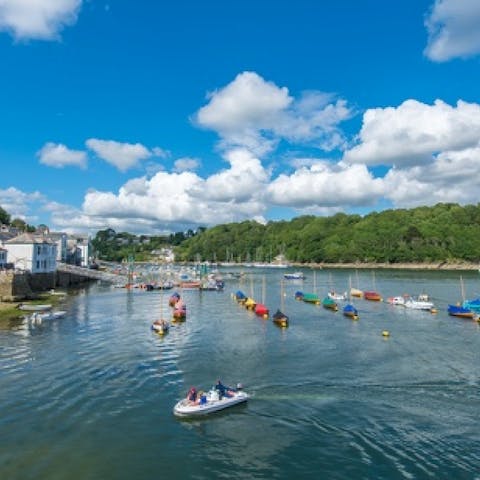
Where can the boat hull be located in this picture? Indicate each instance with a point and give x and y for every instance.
(330, 304)
(350, 311)
(456, 311)
(34, 308)
(372, 296)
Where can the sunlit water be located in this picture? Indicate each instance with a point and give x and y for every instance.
(91, 395)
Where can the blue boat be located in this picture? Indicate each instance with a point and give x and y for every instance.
(459, 311)
(472, 305)
(298, 295)
(350, 311)
(239, 296)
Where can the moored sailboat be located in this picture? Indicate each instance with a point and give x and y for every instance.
(349, 309)
(330, 304)
(279, 318)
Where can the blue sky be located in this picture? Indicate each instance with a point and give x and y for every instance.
(153, 117)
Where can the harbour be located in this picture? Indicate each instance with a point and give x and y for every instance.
(90, 395)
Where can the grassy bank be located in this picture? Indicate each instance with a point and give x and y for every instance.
(10, 310)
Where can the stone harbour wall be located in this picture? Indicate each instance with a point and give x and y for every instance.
(16, 286)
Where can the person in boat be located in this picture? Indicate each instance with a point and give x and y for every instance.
(224, 391)
(192, 396)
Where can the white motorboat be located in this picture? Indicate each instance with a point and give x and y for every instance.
(418, 304)
(209, 402)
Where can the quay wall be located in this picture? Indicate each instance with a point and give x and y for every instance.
(16, 286)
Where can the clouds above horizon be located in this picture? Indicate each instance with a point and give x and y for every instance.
(453, 31)
(59, 156)
(414, 131)
(185, 198)
(253, 113)
(274, 157)
(121, 155)
(37, 19)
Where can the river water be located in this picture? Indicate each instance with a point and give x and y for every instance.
(90, 396)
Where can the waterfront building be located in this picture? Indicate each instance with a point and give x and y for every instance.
(32, 252)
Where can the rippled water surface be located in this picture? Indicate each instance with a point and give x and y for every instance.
(91, 395)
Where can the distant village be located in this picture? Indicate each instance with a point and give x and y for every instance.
(40, 251)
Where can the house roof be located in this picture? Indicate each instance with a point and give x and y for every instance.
(4, 236)
(29, 239)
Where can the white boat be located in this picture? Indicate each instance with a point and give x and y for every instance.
(39, 316)
(355, 292)
(418, 304)
(209, 402)
(337, 296)
(57, 292)
(294, 276)
(398, 300)
(34, 308)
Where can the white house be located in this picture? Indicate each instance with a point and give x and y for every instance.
(32, 252)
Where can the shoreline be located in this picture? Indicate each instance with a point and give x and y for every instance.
(441, 266)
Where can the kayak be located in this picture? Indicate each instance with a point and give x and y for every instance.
(209, 402)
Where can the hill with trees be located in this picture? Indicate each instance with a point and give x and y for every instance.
(446, 232)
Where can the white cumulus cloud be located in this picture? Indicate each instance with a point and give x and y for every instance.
(413, 132)
(169, 201)
(453, 29)
(256, 114)
(37, 19)
(324, 184)
(20, 204)
(242, 182)
(452, 177)
(121, 155)
(58, 155)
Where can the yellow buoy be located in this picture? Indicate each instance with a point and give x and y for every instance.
(265, 315)
(386, 333)
(433, 310)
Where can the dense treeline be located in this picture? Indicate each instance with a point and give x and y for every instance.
(446, 232)
(443, 233)
(113, 246)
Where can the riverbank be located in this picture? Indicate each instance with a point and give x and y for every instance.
(458, 266)
(10, 310)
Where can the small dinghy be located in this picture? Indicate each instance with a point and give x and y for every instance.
(209, 402)
(27, 307)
